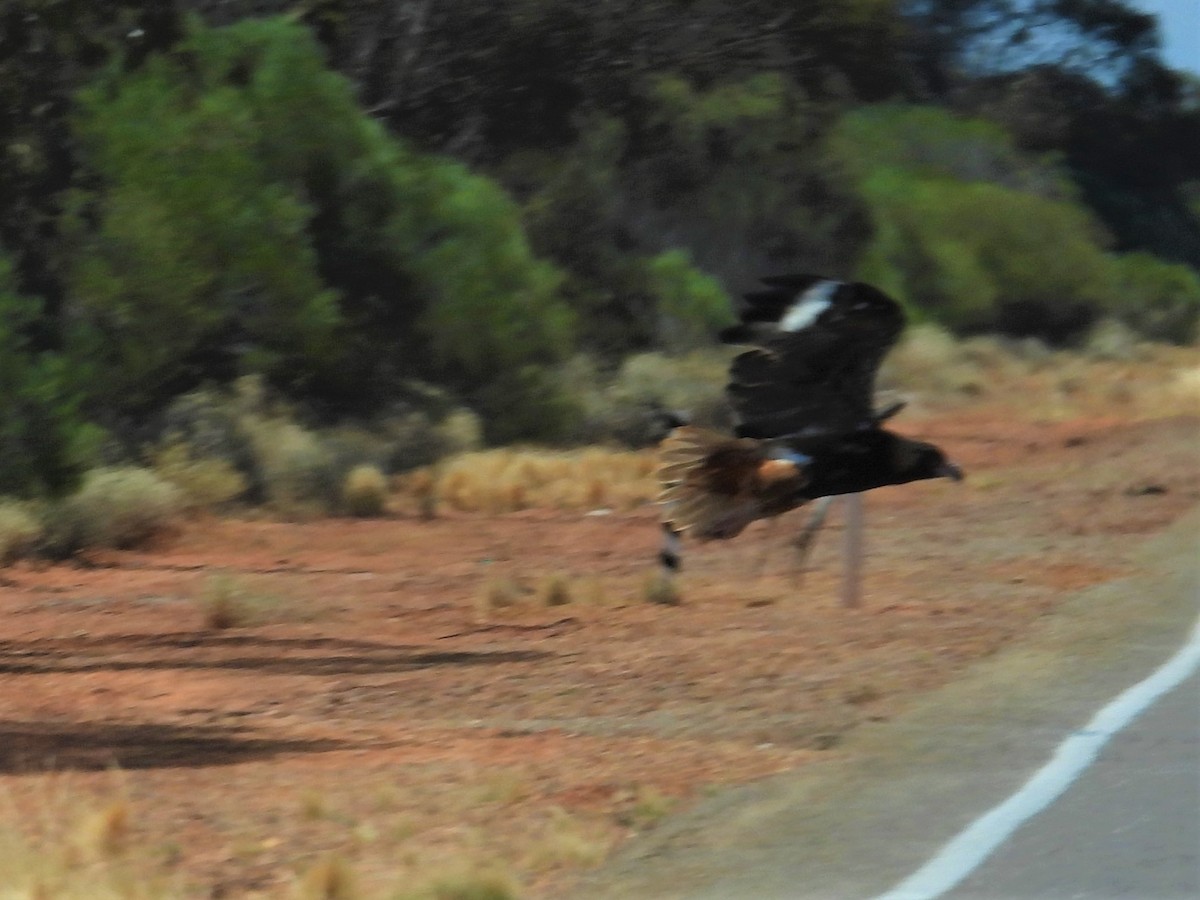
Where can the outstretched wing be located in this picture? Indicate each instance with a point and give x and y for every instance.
(819, 343)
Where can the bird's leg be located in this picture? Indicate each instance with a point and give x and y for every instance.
(670, 558)
(852, 577)
(803, 542)
(662, 587)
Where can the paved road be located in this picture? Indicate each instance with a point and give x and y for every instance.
(859, 825)
(1128, 828)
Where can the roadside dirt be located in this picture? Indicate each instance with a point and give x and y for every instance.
(384, 712)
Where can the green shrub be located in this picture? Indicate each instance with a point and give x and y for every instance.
(1158, 299)
(690, 305)
(114, 508)
(222, 234)
(977, 235)
(526, 403)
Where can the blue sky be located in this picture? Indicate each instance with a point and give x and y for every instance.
(1179, 25)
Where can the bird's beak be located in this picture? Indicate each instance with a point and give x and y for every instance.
(950, 470)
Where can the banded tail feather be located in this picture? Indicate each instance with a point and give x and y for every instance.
(713, 485)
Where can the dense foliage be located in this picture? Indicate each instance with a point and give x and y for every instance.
(379, 207)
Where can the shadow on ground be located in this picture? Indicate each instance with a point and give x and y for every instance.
(30, 747)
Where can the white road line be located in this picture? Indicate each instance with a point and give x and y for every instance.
(964, 853)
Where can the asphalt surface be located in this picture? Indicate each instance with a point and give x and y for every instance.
(858, 825)
(1129, 827)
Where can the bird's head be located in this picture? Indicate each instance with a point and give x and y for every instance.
(917, 460)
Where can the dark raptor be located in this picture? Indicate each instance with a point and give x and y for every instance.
(807, 427)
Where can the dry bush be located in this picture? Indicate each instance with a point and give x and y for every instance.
(20, 530)
(365, 491)
(203, 482)
(118, 508)
(498, 481)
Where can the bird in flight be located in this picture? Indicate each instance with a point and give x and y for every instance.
(807, 427)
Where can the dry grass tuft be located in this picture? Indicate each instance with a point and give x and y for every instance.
(662, 589)
(567, 840)
(227, 602)
(555, 590)
(331, 878)
(647, 807)
(365, 491)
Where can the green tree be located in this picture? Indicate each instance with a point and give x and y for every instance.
(229, 233)
(44, 441)
(977, 234)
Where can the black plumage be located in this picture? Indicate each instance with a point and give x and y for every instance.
(803, 396)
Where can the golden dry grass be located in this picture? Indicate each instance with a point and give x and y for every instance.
(74, 846)
(508, 480)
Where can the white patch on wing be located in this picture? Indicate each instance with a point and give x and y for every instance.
(809, 306)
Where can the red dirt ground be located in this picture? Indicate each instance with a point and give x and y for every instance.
(382, 712)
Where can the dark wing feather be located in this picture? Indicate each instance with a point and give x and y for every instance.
(819, 344)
